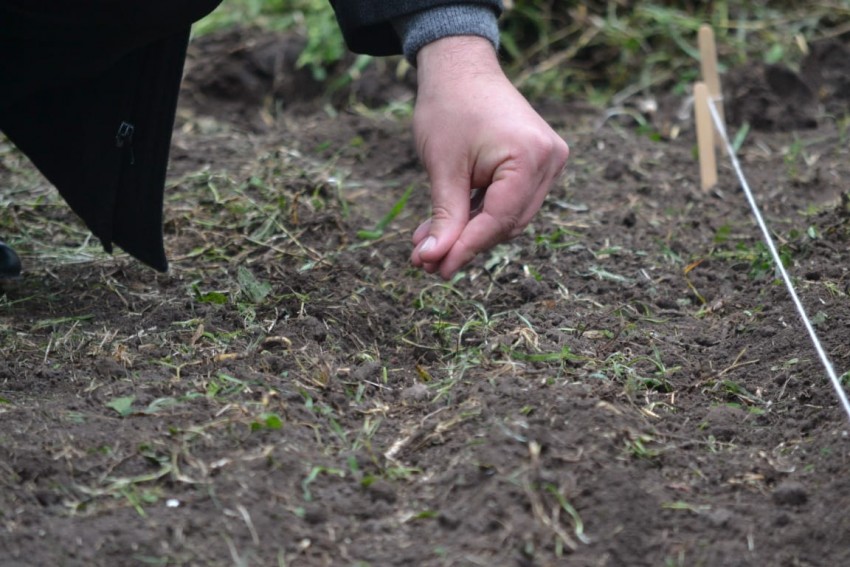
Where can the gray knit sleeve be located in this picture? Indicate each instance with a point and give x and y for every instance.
(421, 28)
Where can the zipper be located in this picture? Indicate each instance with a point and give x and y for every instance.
(124, 138)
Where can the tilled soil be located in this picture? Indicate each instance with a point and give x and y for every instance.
(625, 384)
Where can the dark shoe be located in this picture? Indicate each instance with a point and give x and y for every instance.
(10, 264)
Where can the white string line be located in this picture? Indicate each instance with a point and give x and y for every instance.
(836, 383)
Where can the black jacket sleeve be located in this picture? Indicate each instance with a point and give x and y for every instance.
(367, 24)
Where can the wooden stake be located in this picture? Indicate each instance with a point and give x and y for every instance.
(705, 138)
(708, 68)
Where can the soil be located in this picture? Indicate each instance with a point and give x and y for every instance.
(625, 384)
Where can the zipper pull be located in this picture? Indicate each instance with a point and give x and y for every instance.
(125, 137)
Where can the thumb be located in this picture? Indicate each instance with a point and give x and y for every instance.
(449, 216)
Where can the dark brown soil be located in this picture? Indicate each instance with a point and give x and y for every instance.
(626, 384)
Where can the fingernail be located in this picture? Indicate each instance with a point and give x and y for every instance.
(427, 245)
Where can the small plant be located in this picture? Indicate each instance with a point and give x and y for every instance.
(761, 265)
(793, 157)
(757, 254)
(637, 447)
(252, 289)
(313, 18)
(267, 421)
(382, 224)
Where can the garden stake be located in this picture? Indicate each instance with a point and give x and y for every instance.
(708, 70)
(705, 138)
(836, 383)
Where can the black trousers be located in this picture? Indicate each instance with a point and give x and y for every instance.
(88, 91)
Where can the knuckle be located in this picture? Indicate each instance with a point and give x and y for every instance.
(559, 151)
(550, 148)
(511, 226)
(440, 213)
(562, 152)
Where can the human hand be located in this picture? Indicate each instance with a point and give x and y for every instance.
(474, 130)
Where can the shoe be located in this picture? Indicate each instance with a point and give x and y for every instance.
(10, 264)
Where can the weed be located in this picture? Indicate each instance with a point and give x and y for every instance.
(757, 255)
(843, 129)
(624, 367)
(267, 421)
(601, 51)
(564, 355)
(610, 50)
(123, 406)
(382, 224)
(604, 274)
(734, 390)
(558, 238)
(637, 447)
(314, 19)
(681, 505)
(214, 297)
(313, 475)
(223, 385)
(578, 524)
(250, 288)
(793, 158)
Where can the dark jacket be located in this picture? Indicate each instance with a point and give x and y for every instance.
(88, 91)
(367, 24)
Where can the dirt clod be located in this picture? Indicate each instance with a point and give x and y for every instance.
(416, 393)
(790, 493)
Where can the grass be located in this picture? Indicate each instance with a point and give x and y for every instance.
(599, 51)
(606, 51)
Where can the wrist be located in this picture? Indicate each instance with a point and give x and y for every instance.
(457, 57)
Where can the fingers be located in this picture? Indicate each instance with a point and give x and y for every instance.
(449, 216)
(517, 191)
(421, 232)
(505, 212)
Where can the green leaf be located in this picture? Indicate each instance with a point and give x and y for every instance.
(819, 318)
(160, 404)
(252, 289)
(774, 55)
(722, 234)
(273, 421)
(214, 297)
(123, 406)
(369, 234)
(381, 226)
(267, 421)
(740, 137)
